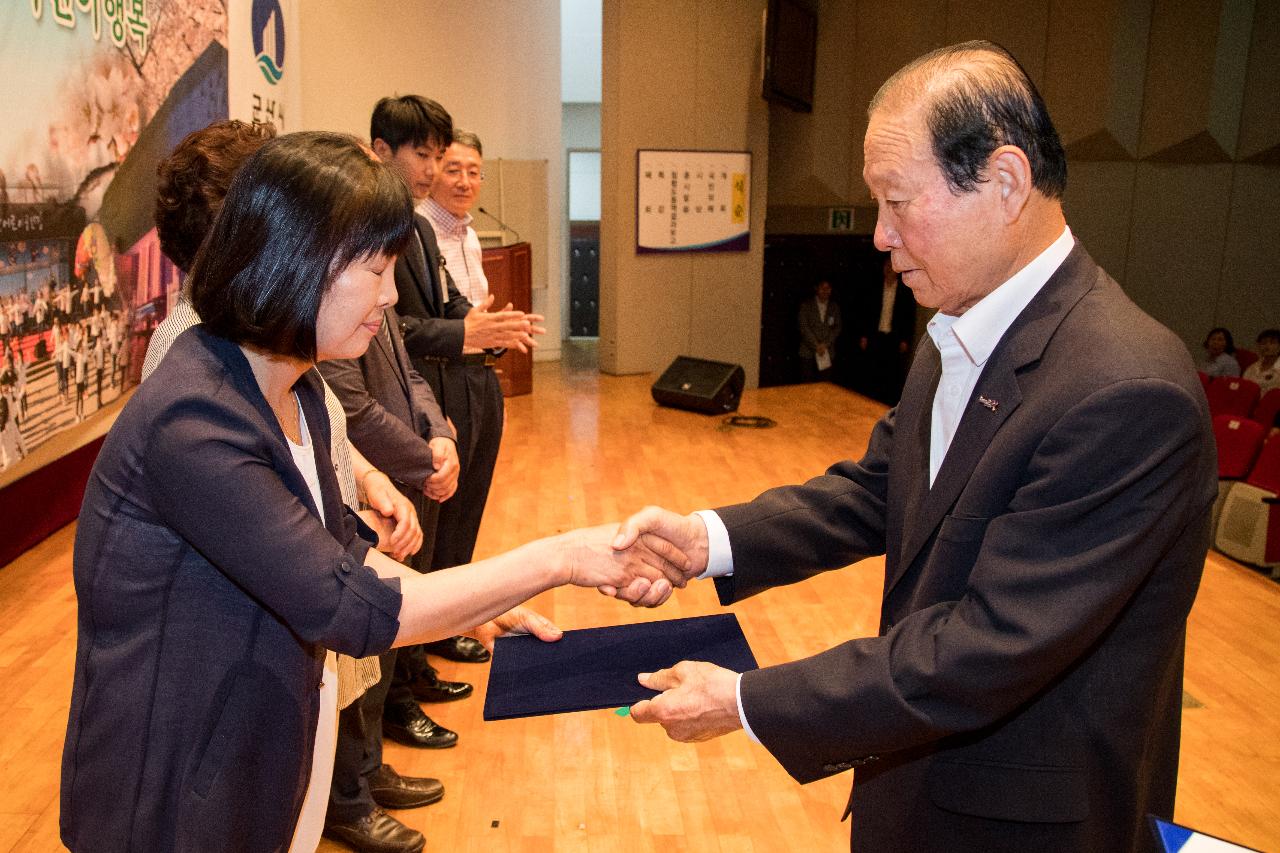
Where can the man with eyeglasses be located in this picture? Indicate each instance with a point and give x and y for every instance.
(447, 207)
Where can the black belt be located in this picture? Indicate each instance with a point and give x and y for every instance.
(487, 359)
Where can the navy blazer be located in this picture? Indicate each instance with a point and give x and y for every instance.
(1025, 690)
(208, 591)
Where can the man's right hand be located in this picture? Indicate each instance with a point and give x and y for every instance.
(485, 329)
(642, 574)
(687, 534)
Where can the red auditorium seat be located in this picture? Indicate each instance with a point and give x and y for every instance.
(1238, 440)
(1267, 409)
(1249, 526)
(1245, 357)
(1205, 379)
(1229, 395)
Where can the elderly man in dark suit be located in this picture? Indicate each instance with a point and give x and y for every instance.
(1041, 494)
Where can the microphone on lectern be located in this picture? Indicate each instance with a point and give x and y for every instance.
(501, 224)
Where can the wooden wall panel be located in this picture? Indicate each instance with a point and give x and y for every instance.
(888, 37)
(1099, 206)
(810, 153)
(1249, 294)
(1019, 26)
(1176, 245)
(1260, 119)
(679, 75)
(1094, 70)
(1196, 62)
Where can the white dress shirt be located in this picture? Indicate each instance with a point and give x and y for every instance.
(964, 343)
(460, 247)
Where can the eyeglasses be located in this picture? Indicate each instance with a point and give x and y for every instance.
(456, 174)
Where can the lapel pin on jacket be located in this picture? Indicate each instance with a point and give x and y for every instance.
(989, 403)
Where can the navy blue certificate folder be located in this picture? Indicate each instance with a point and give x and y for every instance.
(597, 667)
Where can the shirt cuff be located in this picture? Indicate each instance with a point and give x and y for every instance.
(742, 716)
(719, 552)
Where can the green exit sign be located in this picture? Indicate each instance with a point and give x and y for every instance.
(840, 219)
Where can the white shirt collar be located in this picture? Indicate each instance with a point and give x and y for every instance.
(980, 328)
(442, 216)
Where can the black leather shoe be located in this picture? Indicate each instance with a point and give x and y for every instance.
(377, 832)
(429, 688)
(460, 649)
(393, 791)
(408, 725)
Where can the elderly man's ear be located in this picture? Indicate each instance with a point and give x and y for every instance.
(1012, 173)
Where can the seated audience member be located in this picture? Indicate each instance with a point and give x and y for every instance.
(1265, 371)
(214, 560)
(1220, 354)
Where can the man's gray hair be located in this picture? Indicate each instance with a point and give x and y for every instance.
(467, 138)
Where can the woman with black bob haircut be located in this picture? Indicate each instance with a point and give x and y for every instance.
(214, 561)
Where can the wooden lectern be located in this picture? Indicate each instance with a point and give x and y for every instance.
(510, 273)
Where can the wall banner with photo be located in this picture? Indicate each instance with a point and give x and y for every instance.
(93, 93)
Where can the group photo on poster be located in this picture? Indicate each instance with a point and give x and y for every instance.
(82, 280)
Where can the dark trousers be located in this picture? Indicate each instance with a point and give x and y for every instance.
(479, 423)
(411, 662)
(479, 420)
(359, 751)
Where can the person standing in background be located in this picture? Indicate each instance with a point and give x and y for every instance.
(453, 346)
(454, 191)
(819, 322)
(886, 326)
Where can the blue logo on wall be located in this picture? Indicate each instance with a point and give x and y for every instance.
(268, 38)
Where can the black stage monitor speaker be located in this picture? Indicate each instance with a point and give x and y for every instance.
(710, 387)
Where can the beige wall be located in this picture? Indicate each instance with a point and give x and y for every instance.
(1170, 112)
(679, 74)
(494, 66)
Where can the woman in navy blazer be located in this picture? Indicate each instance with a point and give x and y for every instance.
(214, 560)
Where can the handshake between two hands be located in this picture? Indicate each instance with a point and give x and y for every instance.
(641, 561)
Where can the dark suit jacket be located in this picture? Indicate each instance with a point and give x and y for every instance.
(1025, 690)
(391, 411)
(431, 326)
(871, 301)
(814, 330)
(208, 591)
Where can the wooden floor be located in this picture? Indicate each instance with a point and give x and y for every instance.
(585, 449)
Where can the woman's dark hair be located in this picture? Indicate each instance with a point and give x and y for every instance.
(410, 120)
(1226, 333)
(192, 181)
(1269, 335)
(300, 210)
(979, 98)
